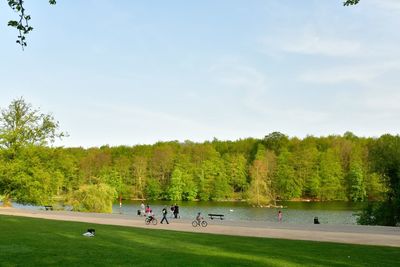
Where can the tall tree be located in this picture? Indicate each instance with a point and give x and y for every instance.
(139, 175)
(260, 191)
(385, 155)
(212, 180)
(176, 187)
(305, 163)
(162, 163)
(22, 125)
(276, 141)
(331, 176)
(236, 165)
(357, 191)
(289, 184)
(187, 177)
(23, 129)
(93, 163)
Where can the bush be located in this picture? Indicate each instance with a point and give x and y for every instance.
(380, 213)
(6, 200)
(93, 198)
(367, 216)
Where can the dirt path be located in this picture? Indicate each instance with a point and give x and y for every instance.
(370, 235)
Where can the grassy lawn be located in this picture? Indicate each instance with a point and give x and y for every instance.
(37, 242)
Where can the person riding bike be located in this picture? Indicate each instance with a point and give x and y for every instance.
(199, 221)
(150, 215)
(199, 218)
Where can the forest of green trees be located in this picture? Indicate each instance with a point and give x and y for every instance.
(260, 171)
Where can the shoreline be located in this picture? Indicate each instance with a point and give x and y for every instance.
(348, 234)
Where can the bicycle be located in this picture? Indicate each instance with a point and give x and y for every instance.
(151, 219)
(196, 223)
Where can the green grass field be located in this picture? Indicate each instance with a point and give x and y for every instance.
(37, 242)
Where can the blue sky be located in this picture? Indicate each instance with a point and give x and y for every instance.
(137, 72)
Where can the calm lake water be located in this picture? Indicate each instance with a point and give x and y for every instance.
(293, 212)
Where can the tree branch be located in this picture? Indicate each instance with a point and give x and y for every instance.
(22, 25)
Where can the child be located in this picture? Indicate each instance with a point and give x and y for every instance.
(147, 211)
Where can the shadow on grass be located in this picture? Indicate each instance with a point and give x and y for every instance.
(37, 242)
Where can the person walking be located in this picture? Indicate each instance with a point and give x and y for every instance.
(164, 215)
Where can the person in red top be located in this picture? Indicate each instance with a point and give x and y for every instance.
(147, 210)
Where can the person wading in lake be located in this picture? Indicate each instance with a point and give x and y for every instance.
(280, 216)
(164, 215)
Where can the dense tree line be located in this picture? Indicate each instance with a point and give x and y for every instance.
(260, 171)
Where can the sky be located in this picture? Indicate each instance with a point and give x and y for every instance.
(137, 72)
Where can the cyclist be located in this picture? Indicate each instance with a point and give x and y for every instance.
(199, 218)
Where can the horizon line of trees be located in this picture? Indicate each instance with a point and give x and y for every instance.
(259, 171)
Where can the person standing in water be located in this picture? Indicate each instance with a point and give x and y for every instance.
(280, 216)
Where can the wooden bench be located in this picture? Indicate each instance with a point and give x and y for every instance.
(48, 207)
(212, 216)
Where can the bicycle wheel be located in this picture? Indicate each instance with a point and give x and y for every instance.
(204, 223)
(154, 221)
(195, 223)
(147, 221)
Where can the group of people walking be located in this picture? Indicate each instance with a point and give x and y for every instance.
(145, 210)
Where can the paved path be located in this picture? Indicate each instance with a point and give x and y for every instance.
(353, 234)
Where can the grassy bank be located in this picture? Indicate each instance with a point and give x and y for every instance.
(37, 242)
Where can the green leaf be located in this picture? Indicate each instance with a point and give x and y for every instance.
(13, 23)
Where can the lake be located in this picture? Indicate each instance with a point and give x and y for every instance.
(333, 212)
(293, 212)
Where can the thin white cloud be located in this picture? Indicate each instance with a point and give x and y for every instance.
(393, 5)
(236, 75)
(308, 41)
(364, 74)
(259, 98)
(247, 82)
(131, 115)
(312, 44)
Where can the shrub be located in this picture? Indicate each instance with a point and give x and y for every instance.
(93, 198)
